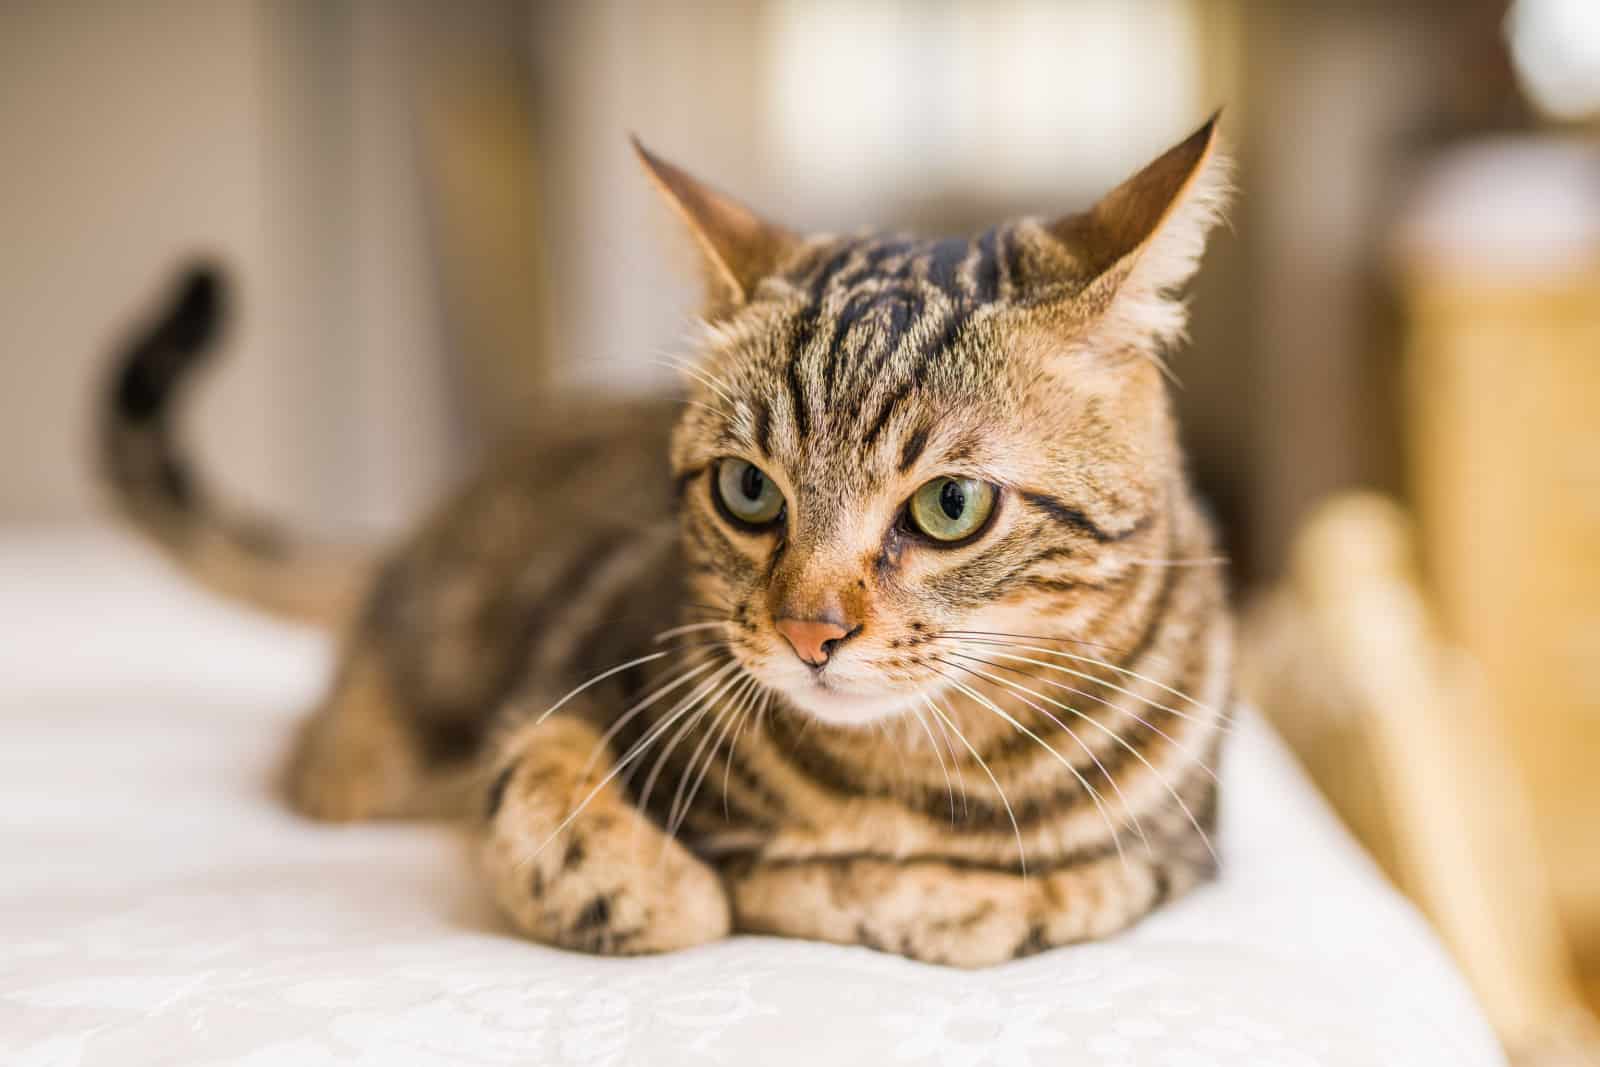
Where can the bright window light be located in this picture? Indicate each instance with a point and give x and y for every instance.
(1011, 96)
(1555, 45)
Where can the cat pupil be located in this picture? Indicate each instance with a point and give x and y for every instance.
(952, 500)
(751, 483)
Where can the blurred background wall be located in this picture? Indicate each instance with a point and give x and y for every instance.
(405, 191)
(279, 138)
(431, 216)
(367, 169)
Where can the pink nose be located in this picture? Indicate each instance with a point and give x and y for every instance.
(812, 639)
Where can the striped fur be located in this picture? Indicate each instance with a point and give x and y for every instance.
(1015, 746)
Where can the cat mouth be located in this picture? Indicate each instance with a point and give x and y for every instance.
(838, 693)
(835, 702)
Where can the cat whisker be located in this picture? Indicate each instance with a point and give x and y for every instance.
(693, 611)
(707, 408)
(961, 778)
(747, 699)
(1217, 718)
(714, 734)
(669, 634)
(1022, 857)
(640, 706)
(596, 680)
(723, 609)
(961, 775)
(1147, 724)
(722, 723)
(684, 367)
(700, 370)
(883, 730)
(933, 743)
(1127, 808)
(622, 764)
(1135, 753)
(733, 746)
(710, 715)
(1029, 637)
(706, 704)
(1099, 804)
(805, 727)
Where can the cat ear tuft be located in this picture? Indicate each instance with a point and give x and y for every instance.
(1144, 239)
(739, 248)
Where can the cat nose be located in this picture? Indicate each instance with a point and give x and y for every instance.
(813, 640)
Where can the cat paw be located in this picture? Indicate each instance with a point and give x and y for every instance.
(332, 781)
(353, 758)
(926, 912)
(609, 883)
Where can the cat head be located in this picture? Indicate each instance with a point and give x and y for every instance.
(893, 440)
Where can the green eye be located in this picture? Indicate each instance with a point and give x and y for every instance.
(950, 509)
(747, 493)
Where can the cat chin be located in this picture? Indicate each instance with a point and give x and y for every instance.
(841, 707)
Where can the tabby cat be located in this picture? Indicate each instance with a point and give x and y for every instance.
(884, 634)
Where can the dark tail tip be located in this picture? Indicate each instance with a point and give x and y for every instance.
(159, 355)
(196, 314)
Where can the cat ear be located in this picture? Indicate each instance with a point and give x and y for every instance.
(1143, 240)
(738, 247)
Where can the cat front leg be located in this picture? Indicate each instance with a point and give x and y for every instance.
(940, 912)
(574, 864)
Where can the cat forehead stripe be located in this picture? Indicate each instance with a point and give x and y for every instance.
(875, 313)
(963, 270)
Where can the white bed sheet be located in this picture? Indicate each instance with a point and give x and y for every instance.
(157, 906)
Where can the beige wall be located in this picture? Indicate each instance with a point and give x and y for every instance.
(105, 113)
(274, 135)
(292, 138)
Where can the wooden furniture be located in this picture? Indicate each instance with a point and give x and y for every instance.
(1399, 730)
(1441, 678)
(1500, 269)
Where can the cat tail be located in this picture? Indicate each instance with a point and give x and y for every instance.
(154, 486)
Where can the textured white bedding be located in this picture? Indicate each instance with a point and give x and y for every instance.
(158, 907)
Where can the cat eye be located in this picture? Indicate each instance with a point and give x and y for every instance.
(746, 494)
(951, 509)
